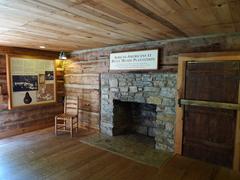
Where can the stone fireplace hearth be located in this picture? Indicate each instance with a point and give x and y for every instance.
(155, 89)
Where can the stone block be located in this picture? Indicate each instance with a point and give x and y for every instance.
(138, 84)
(169, 127)
(152, 89)
(133, 89)
(123, 89)
(171, 84)
(150, 93)
(154, 100)
(113, 89)
(148, 122)
(113, 83)
(160, 146)
(124, 94)
(160, 108)
(104, 82)
(168, 92)
(147, 83)
(138, 75)
(139, 99)
(159, 76)
(124, 98)
(105, 90)
(170, 110)
(130, 98)
(129, 83)
(130, 75)
(151, 131)
(141, 130)
(122, 83)
(147, 77)
(159, 83)
(106, 130)
(105, 96)
(168, 102)
(104, 76)
(165, 117)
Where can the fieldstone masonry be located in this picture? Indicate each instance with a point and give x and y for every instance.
(152, 88)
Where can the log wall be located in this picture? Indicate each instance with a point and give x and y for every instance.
(83, 70)
(17, 121)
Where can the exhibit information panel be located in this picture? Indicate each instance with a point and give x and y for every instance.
(134, 60)
(32, 81)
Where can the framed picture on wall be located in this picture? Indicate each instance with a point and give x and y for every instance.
(41, 78)
(31, 81)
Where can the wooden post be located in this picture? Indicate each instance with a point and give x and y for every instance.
(179, 110)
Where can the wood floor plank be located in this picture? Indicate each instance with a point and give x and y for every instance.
(41, 155)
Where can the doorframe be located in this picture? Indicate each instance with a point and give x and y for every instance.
(208, 56)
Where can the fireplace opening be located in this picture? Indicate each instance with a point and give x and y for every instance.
(133, 117)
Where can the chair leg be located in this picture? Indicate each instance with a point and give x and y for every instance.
(77, 126)
(55, 126)
(65, 125)
(71, 127)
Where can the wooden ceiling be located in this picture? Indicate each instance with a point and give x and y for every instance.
(82, 24)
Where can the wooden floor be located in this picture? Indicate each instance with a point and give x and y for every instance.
(41, 155)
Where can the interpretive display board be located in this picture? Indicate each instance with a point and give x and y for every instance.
(134, 60)
(31, 81)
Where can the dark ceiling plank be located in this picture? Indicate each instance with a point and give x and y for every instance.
(154, 16)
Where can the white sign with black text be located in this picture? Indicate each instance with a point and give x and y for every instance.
(135, 60)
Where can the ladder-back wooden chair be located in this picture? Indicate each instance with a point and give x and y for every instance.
(68, 121)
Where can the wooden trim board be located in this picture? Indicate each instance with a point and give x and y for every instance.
(210, 104)
(199, 57)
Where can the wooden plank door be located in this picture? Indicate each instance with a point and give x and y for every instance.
(209, 133)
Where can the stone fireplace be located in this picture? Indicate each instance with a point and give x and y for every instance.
(133, 117)
(139, 102)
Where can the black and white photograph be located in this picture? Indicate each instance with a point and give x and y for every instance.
(41, 78)
(49, 75)
(25, 83)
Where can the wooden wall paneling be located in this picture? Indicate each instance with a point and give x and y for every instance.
(82, 79)
(8, 81)
(3, 82)
(18, 121)
(91, 79)
(89, 119)
(90, 66)
(216, 56)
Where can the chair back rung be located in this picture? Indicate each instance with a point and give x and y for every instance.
(71, 105)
